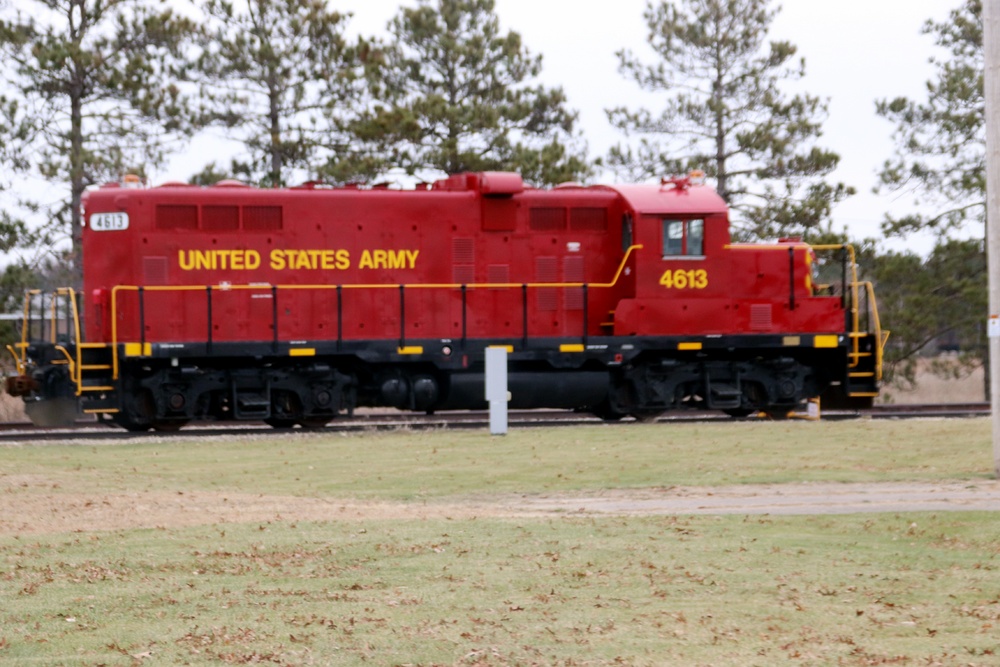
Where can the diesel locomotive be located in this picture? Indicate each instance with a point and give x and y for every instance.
(293, 306)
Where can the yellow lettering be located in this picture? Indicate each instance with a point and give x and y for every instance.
(380, 259)
(252, 260)
(278, 260)
(411, 258)
(185, 265)
(395, 259)
(366, 261)
(343, 260)
(301, 260)
(203, 260)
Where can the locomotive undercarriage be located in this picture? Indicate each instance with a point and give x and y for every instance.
(642, 379)
(776, 385)
(167, 398)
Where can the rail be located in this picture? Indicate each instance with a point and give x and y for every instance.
(340, 288)
(850, 295)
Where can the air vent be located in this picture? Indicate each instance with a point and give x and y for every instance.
(176, 216)
(262, 218)
(220, 218)
(546, 270)
(154, 270)
(573, 273)
(547, 219)
(760, 317)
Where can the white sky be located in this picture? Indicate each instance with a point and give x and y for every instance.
(856, 51)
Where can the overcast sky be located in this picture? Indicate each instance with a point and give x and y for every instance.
(856, 51)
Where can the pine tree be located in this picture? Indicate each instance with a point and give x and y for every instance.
(725, 114)
(459, 98)
(95, 75)
(941, 160)
(941, 142)
(282, 77)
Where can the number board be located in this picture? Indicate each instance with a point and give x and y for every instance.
(109, 222)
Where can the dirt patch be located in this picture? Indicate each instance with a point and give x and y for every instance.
(24, 513)
(33, 512)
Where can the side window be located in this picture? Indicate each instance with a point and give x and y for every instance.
(683, 238)
(626, 232)
(696, 237)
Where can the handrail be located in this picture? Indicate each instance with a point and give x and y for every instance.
(881, 337)
(72, 367)
(18, 364)
(854, 284)
(354, 286)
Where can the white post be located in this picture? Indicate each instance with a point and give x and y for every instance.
(991, 48)
(496, 388)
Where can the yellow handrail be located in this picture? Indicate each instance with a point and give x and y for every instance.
(855, 354)
(262, 286)
(881, 337)
(18, 364)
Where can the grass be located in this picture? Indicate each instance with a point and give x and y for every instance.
(437, 464)
(898, 588)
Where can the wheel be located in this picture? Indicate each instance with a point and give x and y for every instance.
(606, 412)
(740, 412)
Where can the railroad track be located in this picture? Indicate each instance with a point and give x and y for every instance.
(378, 421)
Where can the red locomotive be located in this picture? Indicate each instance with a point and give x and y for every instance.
(295, 305)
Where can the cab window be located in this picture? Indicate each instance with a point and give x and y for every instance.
(683, 238)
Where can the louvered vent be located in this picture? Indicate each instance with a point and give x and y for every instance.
(262, 218)
(546, 270)
(760, 317)
(154, 270)
(176, 216)
(220, 218)
(547, 219)
(573, 273)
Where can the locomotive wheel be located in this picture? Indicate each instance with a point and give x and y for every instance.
(277, 422)
(605, 411)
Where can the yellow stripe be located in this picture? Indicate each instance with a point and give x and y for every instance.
(509, 348)
(138, 349)
(410, 349)
(825, 341)
(302, 352)
(689, 346)
(571, 347)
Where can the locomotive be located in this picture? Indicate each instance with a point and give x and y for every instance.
(295, 305)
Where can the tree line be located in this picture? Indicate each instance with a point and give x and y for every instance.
(95, 89)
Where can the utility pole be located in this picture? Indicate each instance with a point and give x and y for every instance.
(991, 48)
